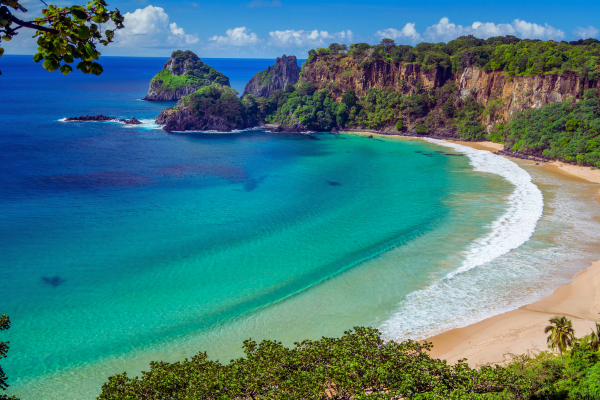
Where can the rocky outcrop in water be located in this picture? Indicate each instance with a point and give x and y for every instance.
(212, 108)
(182, 119)
(182, 75)
(104, 118)
(263, 84)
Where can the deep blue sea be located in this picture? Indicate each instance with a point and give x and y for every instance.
(125, 244)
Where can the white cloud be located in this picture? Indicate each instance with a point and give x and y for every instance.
(150, 27)
(300, 38)
(534, 31)
(236, 37)
(585, 33)
(445, 30)
(408, 32)
(263, 3)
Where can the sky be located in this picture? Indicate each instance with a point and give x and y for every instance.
(270, 28)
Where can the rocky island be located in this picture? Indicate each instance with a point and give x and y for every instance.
(263, 84)
(103, 118)
(182, 75)
(211, 108)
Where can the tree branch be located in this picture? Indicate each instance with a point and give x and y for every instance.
(33, 25)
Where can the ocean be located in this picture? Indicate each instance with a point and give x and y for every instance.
(126, 244)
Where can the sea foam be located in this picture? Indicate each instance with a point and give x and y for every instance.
(430, 310)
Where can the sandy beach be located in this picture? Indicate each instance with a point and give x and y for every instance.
(495, 339)
(520, 331)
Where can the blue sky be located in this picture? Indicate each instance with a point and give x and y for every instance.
(269, 28)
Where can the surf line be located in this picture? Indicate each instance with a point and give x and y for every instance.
(511, 230)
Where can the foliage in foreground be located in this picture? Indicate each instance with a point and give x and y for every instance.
(4, 325)
(358, 365)
(569, 131)
(64, 34)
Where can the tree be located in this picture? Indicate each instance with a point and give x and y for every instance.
(64, 34)
(595, 338)
(387, 44)
(4, 325)
(359, 365)
(561, 334)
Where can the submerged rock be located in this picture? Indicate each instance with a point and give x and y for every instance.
(182, 75)
(276, 77)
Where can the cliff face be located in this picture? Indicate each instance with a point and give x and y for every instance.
(510, 94)
(285, 70)
(182, 75)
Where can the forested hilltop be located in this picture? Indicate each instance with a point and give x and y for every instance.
(182, 75)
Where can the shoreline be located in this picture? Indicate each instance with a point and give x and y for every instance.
(494, 339)
(520, 331)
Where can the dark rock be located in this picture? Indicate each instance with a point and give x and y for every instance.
(295, 128)
(182, 119)
(370, 137)
(332, 183)
(263, 84)
(131, 121)
(104, 118)
(90, 118)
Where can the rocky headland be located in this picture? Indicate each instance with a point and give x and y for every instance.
(182, 75)
(285, 71)
(211, 108)
(103, 118)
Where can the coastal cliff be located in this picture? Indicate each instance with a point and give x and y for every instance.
(263, 84)
(511, 94)
(182, 75)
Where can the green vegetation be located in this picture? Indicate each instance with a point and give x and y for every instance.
(4, 325)
(265, 77)
(216, 100)
(501, 53)
(64, 34)
(425, 111)
(187, 70)
(568, 131)
(361, 365)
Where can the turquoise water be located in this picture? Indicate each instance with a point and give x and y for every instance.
(121, 245)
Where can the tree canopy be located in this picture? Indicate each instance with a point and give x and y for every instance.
(64, 34)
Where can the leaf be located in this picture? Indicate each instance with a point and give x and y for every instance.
(50, 65)
(66, 69)
(1, 51)
(38, 57)
(79, 13)
(68, 58)
(96, 69)
(83, 32)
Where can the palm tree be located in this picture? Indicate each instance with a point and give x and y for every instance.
(561, 334)
(595, 338)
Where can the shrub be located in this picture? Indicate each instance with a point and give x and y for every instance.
(421, 129)
(399, 125)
